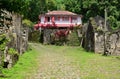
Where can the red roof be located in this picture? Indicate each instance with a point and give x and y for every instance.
(60, 13)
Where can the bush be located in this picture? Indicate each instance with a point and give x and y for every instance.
(12, 51)
(27, 23)
(73, 39)
(34, 36)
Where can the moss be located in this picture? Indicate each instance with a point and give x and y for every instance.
(3, 41)
(12, 51)
(1, 69)
(1, 62)
(27, 23)
(93, 23)
(2, 36)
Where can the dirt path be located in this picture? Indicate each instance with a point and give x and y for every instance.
(54, 64)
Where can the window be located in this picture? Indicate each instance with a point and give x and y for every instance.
(65, 18)
(57, 18)
(48, 19)
(74, 19)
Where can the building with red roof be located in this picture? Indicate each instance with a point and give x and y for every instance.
(58, 19)
(57, 24)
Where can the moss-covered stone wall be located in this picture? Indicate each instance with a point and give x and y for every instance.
(13, 38)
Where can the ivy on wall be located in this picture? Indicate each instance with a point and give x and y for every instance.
(3, 41)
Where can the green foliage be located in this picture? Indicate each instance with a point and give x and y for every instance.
(92, 21)
(0, 69)
(113, 22)
(33, 10)
(118, 24)
(24, 67)
(12, 51)
(34, 36)
(73, 39)
(89, 64)
(3, 41)
(72, 5)
(13, 5)
(27, 23)
(51, 5)
(30, 9)
(88, 8)
(92, 8)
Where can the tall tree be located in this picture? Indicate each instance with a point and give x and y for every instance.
(91, 8)
(51, 5)
(13, 5)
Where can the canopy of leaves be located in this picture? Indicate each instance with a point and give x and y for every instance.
(14, 5)
(88, 8)
(27, 22)
(91, 8)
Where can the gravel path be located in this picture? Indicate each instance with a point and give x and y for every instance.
(55, 65)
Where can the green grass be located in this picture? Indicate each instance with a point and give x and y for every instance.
(91, 65)
(24, 67)
(95, 66)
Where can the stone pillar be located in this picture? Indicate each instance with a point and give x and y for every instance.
(17, 23)
(46, 36)
(99, 43)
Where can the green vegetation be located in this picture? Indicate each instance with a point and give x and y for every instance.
(27, 23)
(34, 36)
(91, 66)
(92, 8)
(73, 39)
(3, 41)
(12, 51)
(24, 67)
(95, 66)
(30, 9)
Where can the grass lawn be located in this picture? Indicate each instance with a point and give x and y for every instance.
(24, 67)
(95, 66)
(91, 66)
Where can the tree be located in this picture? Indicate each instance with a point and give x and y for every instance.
(13, 5)
(73, 6)
(92, 8)
(51, 5)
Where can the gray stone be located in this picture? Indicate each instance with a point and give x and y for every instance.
(17, 33)
(101, 39)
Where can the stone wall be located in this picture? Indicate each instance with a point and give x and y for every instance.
(16, 35)
(112, 43)
(101, 39)
(62, 36)
(46, 36)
